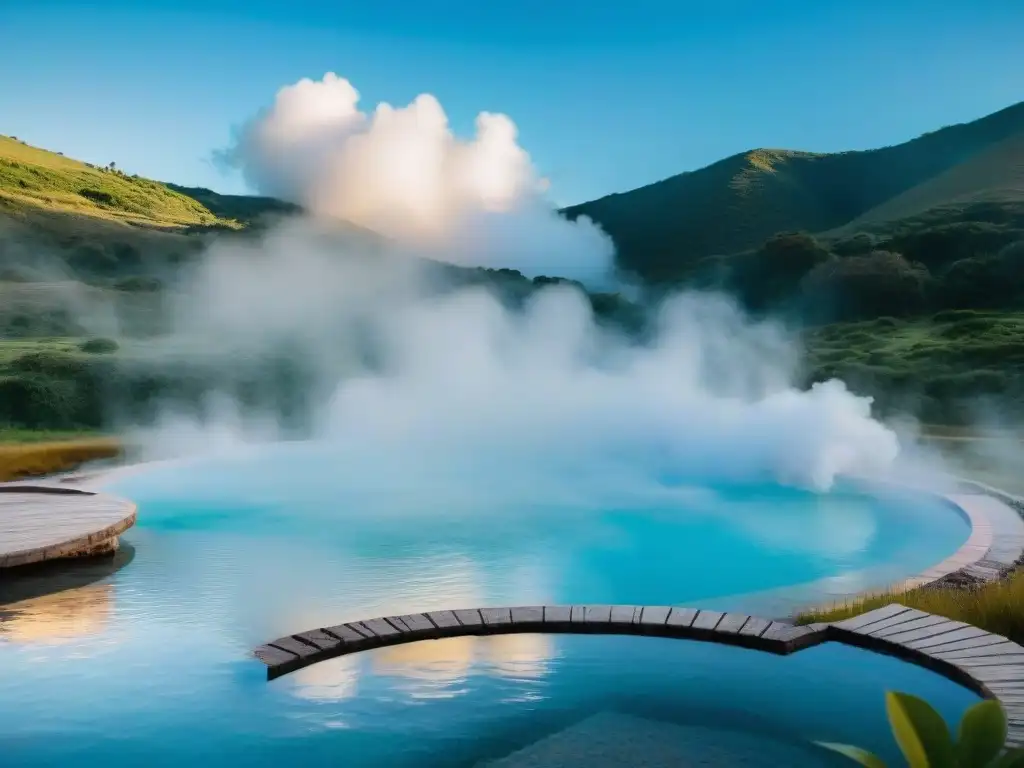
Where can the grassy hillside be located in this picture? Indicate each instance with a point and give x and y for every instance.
(994, 175)
(737, 203)
(38, 178)
(911, 293)
(245, 209)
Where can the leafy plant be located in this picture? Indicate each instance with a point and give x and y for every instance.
(925, 741)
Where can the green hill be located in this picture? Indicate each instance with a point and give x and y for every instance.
(36, 178)
(994, 175)
(245, 209)
(734, 205)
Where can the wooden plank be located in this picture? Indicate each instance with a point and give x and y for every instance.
(1004, 674)
(654, 616)
(418, 623)
(444, 620)
(273, 656)
(531, 614)
(755, 627)
(598, 614)
(557, 615)
(381, 629)
(469, 617)
(352, 639)
(996, 649)
(496, 617)
(624, 614)
(680, 618)
(319, 638)
(989, 661)
(794, 633)
(854, 623)
(981, 641)
(1008, 688)
(732, 623)
(944, 627)
(707, 620)
(297, 647)
(46, 523)
(898, 620)
(781, 632)
(975, 638)
(922, 623)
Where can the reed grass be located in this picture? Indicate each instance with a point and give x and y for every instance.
(33, 459)
(996, 607)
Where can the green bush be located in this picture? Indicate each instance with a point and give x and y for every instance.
(139, 284)
(99, 346)
(880, 283)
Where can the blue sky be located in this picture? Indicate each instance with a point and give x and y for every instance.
(607, 96)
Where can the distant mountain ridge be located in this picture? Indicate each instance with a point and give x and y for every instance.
(660, 230)
(737, 203)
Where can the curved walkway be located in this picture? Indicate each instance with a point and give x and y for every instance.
(40, 523)
(988, 664)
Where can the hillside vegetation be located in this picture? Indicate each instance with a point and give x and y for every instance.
(910, 291)
(37, 178)
(734, 205)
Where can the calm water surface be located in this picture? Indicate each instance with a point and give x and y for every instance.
(148, 664)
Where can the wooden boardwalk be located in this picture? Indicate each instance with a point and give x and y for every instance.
(988, 664)
(40, 523)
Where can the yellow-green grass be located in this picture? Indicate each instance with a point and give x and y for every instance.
(22, 459)
(996, 607)
(37, 178)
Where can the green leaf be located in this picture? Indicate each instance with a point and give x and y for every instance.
(982, 734)
(1014, 758)
(856, 754)
(920, 731)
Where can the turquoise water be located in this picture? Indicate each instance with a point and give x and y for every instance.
(148, 664)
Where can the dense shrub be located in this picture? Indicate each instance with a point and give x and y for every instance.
(139, 284)
(98, 196)
(770, 276)
(879, 283)
(858, 245)
(941, 245)
(99, 346)
(37, 401)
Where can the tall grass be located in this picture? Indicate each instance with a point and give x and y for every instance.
(997, 607)
(32, 459)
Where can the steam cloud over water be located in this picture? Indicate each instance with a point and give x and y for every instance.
(464, 394)
(402, 173)
(455, 397)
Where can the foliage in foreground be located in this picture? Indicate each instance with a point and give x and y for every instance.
(926, 742)
(996, 607)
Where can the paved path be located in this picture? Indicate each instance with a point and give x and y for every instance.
(40, 523)
(988, 664)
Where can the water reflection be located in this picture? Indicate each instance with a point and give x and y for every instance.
(60, 617)
(47, 578)
(430, 668)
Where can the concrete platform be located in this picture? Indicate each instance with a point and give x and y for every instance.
(39, 523)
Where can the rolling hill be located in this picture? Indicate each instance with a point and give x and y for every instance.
(663, 231)
(737, 203)
(36, 178)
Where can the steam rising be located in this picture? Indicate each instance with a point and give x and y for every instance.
(455, 397)
(465, 394)
(402, 173)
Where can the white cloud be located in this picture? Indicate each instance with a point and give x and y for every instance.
(402, 172)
